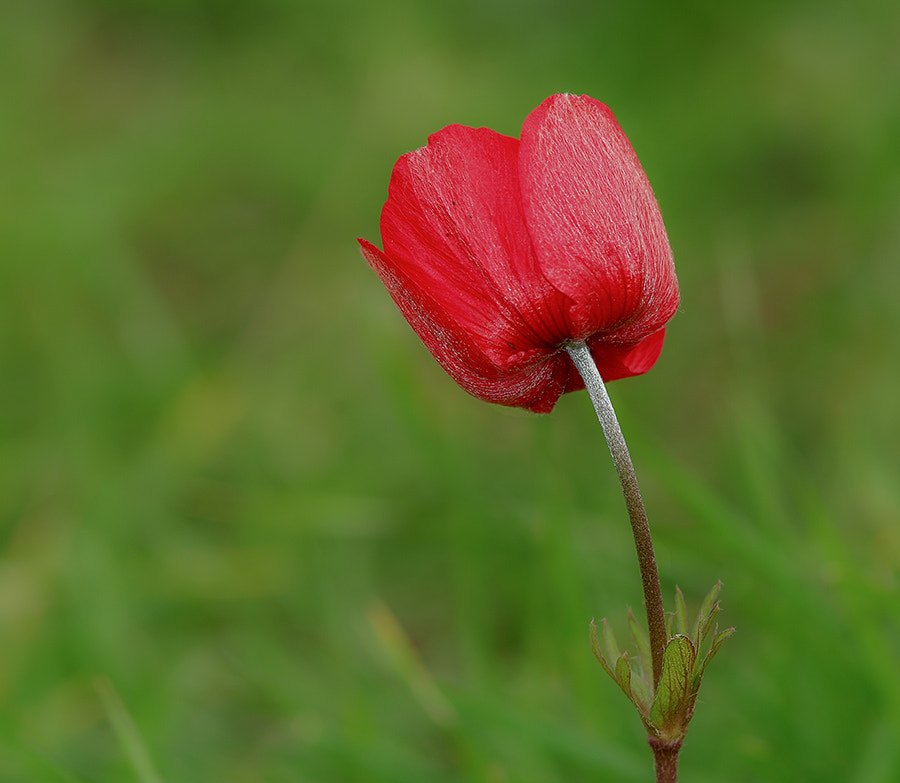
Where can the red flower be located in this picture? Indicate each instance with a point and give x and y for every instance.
(500, 251)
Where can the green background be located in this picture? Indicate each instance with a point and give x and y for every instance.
(250, 531)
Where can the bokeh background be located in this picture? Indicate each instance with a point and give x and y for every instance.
(249, 531)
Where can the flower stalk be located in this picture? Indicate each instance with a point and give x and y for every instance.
(653, 601)
(664, 681)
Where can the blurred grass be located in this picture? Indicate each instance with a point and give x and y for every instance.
(235, 488)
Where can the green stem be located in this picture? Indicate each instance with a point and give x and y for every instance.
(656, 617)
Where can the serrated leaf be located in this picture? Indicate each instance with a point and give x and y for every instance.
(641, 695)
(720, 639)
(623, 674)
(609, 639)
(642, 643)
(598, 653)
(701, 664)
(681, 618)
(670, 707)
(595, 641)
(704, 616)
(711, 597)
(707, 625)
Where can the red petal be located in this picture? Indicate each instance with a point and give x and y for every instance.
(594, 222)
(453, 221)
(458, 262)
(615, 362)
(536, 388)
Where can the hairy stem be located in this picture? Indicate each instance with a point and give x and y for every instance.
(656, 618)
(665, 757)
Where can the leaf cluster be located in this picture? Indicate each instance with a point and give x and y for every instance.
(667, 707)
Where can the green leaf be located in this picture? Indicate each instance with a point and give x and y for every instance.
(609, 639)
(598, 653)
(681, 620)
(708, 610)
(719, 640)
(641, 695)
(673, 695)
(642, 643)
(708, 624)
(701, 663)
(623, 674)
(711, 597)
